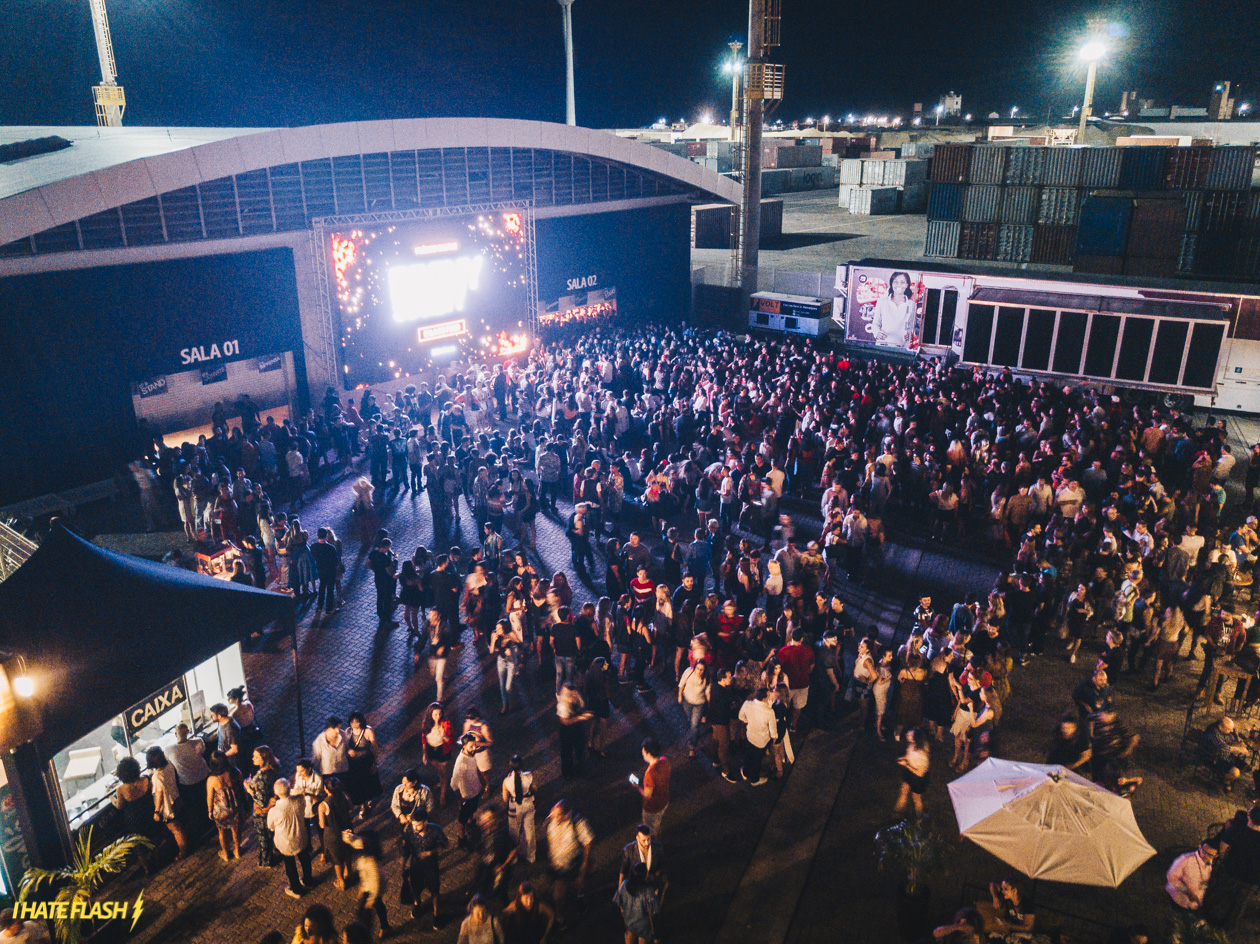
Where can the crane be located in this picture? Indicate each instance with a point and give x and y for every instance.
(109, 97)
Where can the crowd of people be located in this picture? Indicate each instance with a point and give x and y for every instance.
(684, 468)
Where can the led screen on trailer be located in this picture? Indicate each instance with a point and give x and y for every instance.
(404, 289)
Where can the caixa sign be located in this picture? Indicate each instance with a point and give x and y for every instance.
(146, 712)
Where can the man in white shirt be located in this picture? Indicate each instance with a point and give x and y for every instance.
(1188, 877)
(758, 718)
(1069, 499)
(330, 749)
(468, 781)
(188, 758)
(287, 822)
(1191, 542)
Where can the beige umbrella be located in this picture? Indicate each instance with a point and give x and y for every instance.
(1049, 823)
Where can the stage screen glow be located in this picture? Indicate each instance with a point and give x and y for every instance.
(401, 287)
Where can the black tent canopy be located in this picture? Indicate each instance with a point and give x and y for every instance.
(101, 630)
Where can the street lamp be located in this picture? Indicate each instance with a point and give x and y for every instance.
(1244, 108)
(1014, 110)
(1091, 52)
(938, 109)
(735, 68)
(826, 121)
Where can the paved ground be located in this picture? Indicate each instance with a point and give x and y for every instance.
(736, 874)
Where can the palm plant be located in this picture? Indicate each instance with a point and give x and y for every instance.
(911, 848)
(1189, 929)
(82, 879)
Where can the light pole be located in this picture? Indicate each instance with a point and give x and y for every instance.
(733, 67)
(1091, 52)
(938, 110)
(570, 113)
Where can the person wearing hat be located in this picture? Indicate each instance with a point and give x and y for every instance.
(469, 782)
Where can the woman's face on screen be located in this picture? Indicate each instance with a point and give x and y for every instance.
(900, 286)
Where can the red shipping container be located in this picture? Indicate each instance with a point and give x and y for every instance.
(697, 149)
(1155, 228)
(1187, 168)
(1054, 244)
(951, 163)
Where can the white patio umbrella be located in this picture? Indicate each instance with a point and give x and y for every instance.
(1049, 822)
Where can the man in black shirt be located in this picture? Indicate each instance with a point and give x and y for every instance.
(718, 713)
(445, 587)
(384, 563)
(565, 645)
(327, 561)
(1236, 875)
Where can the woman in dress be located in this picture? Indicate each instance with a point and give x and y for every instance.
(437, 739)
(893, 318)
(301, 562)
(938, 698)
(881, 689)
(910, 682)
(261, 787)
(411, 596)
(334, 819)
(166, 801)
(363, 783)
(225, 810)
(598, 703)
(639, 901)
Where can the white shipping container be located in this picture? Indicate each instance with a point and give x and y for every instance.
(851, 170)
(846, 194)
(873, 201)
(873, 173)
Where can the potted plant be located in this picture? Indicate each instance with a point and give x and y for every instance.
(913, 851)
(81, 880)
(1191, 929)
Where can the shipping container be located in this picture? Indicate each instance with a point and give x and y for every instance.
(1247, 258)
(1054, 245)
(1224, 210)
(850, 171)
(771, 219)
(1100, 167)
(981, 203)
(776, 181)
(951, 163)
(1023, 166)
(831, 160)
(1194, 210)
(711, 226)
(1187, 168)
(1155, 229)
(913, 199)
(886, 154)
(873, 201)
(697, 148)
(1231, 168)
(813, 178)
(905, 173)
(1142, 168)
(673, 147)
(945, 201)
(1185, 260)
(987, 163)
(1015, 242)
(803, 155)
(1099, 265)
(942, 239)
(1143, 267)
(1104, 225)
(1019, 205)
(977, 241)
(719, 149)
(845, 194)
(1059, 205)
(873, 173)
(1061, 167)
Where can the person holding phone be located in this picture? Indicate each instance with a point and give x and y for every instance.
(655, 786)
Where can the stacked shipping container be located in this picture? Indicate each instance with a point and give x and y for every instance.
(1142, 211)
(902, 186)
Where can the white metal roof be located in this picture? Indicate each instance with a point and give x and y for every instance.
(109, 167)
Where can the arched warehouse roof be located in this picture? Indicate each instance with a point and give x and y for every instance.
(116, 187)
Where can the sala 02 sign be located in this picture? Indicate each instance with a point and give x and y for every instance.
(586, 281)
(193, 355)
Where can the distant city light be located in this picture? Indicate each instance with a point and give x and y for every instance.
(967, 117)
(1014, 109)
(1244, 108)
(916, 122)
(939, 109)
(1093, 50)
(706, 118)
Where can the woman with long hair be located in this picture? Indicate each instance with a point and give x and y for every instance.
(437, 738)
(334, 818)
(893, 318)
(363, 782)
(439, 633)
(411, 596)
(914, 765)
(166, 800)
(224, 807)
(481, 926)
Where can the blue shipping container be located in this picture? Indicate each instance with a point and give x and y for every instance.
(1104, 225)
(945, 202)
(1142, 168)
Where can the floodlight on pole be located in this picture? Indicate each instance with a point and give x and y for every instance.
(938, 110)
(1091, 52)
(570, 112)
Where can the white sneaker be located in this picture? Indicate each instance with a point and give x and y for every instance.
(757, 783)
(291, 893)
(1072, 658)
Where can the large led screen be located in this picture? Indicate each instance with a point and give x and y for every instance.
(885, 308)
(406, 290)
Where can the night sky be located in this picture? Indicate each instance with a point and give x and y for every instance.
(294, 62)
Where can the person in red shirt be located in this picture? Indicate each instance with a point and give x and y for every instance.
(797, 660)
(642, 587)
(655, 786)
(730, 634)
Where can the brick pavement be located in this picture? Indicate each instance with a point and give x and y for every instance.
(347, 663)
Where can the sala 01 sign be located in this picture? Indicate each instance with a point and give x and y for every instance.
(193, 355)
